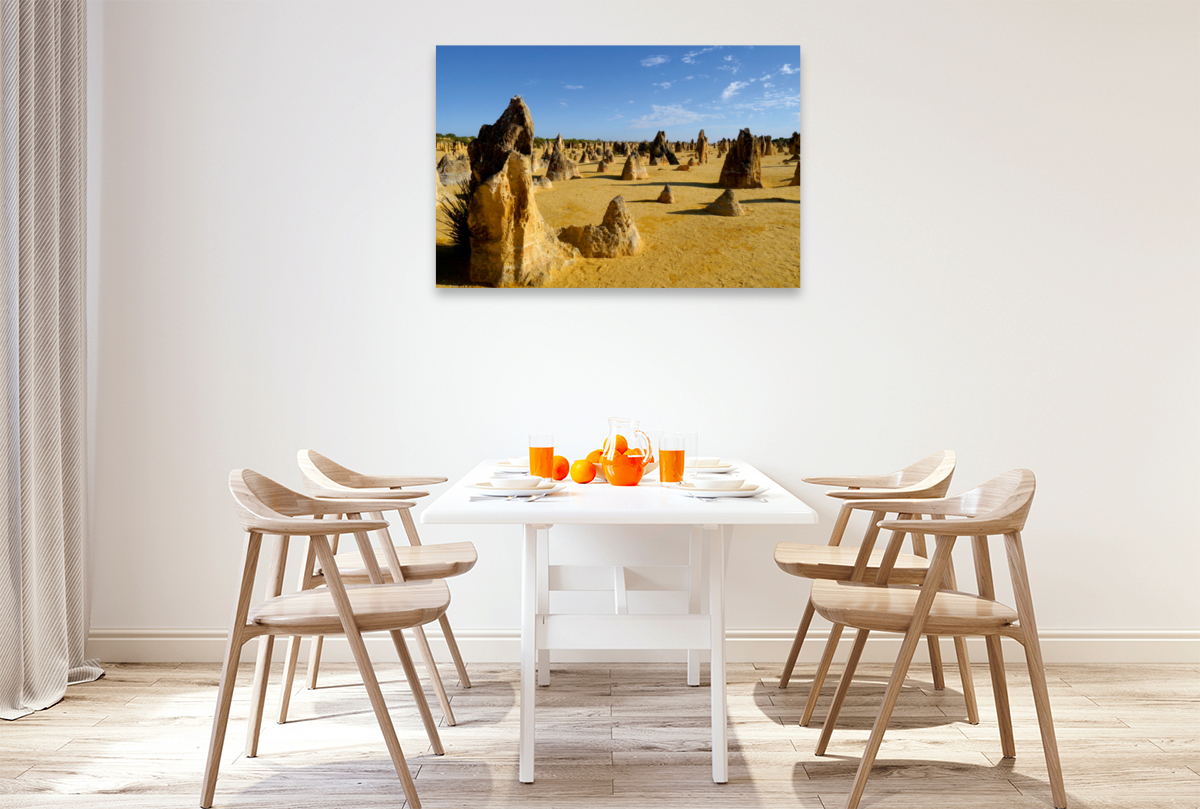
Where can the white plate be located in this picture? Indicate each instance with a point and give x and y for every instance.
(709, 470)
(708, 465)
(545, 487)
(509, 466)
(747, 490)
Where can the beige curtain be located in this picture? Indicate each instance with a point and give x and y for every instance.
(43, 497)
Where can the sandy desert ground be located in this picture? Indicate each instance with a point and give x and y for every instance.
(685, 246)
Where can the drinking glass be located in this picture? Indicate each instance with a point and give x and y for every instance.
(541, 455)
(671, 455)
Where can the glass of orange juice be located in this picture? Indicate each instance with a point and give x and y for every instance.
(671, 448)
(541, 455)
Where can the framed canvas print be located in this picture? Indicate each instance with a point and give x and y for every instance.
(614, 166)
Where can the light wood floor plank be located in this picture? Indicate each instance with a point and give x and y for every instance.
(610, 736)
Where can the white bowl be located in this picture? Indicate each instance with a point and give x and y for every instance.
(519, 461)
(517, 482)
(722, 483)
(700, 463)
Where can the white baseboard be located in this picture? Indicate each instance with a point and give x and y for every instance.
(742, 646)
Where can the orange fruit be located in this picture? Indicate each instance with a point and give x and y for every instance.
(622, 444)
(583, 471)
(560, 467)
(595, 455)
(634, 451)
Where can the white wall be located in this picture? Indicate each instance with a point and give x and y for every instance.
(1000, 256)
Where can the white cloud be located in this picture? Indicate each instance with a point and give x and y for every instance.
(690, 58)
(615, 117)
(732, 65)
(788, 70)
(728, 58)
(767, 84)
(651, 61)
(573, 87)
(562, 103)
(733, 89)
(689, 78)
(671, 115)
(666, 85)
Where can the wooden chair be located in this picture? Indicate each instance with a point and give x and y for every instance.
(998, 507)
(406, 563)
(264, 507)
(928, 477)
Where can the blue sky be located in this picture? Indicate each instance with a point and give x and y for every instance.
(620, 92)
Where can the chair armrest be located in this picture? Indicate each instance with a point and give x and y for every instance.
(300, 527)
(878, 494)
(915, 505)
(398, 481)
(348, 505)
(360, 494)
(855, 481)
(949, 528)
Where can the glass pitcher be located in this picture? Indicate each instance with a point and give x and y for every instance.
(628, 453)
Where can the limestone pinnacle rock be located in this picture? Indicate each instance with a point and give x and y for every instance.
(511, 244)
(560, 166)
(634, 170)
(726, 205)
(661, 150)
(512, 132)
(667, 195)
(743, 163)
(616, 236)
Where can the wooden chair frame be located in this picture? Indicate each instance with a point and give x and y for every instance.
(997, 508)
(326, 478)
(268, 509)
(928, 477)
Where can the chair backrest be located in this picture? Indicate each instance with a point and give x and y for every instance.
(928, 477)
(932, 470)
(1003, 501)
(999, 506)
(260, 500)
(321, 472)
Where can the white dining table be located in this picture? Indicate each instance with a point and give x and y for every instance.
(597, 503)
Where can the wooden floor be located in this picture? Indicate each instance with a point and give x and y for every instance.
(610, 736)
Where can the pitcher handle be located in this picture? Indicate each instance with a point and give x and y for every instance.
(649, 446)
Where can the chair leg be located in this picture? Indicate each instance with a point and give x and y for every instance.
(912, 638)
(464, 679)
(790, 663)
(1008, 742)
(258, 694)
(935, 662)
(968, 682)
(289, 676)
(414, 684)
(220, 722)
(895, 685)
(233, 651)
(1037, 669)
(835, 634)
(262, 666)
(314, 661)
(434, 676)
(367, 672)
(839, 697)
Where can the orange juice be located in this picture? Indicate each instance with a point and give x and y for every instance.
(670, 465)
(541, 461)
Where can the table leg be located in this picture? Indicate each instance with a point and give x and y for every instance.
(528, 650)
(543, 599)
(695, 564)
(716, 608)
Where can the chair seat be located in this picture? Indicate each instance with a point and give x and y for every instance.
(417, 562)
(837, 563)
(889, 608)
(376, 607)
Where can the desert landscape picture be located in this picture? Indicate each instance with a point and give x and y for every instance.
(615, 166)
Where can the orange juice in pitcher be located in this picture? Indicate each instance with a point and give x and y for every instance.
(627, 453)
